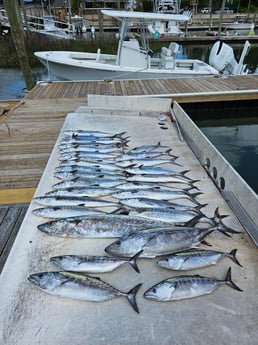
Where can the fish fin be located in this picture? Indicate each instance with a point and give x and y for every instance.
(232, 255)
(228, 281)
(194, 221)
(131, 297)
(206, 243)
(133, 263)
(198, 207)
(183, 172)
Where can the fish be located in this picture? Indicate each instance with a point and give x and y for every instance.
(172, 216)
(146, 148)
(90, 191)
(161, 179)
(80, 287)
(72, 201)
(195, 258)
(140, 155)
(156, 194)
(187, 286)
(146, 162)
(149, 203)
(77, 183)
(86, 156)
(143, 170)
(98, 226)
(82, 175)
(152, 185)
(75, 148)
(162, 241)
(88, 167)
(64, 211)
(92, 263)
(97, 134)
(180, 214)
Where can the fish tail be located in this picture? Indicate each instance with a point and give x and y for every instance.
(229, 281)
(220, 226)
(131, 297)
(133, 263)
(168, 152)
(232, 255)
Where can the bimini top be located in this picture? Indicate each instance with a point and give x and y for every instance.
(138, 16)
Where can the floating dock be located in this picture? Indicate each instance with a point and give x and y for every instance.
(29, 316)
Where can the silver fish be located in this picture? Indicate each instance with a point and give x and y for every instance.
(75, 148)
(171, 216)
(64, 211)
(97, 134)
(147, 148)
(80, 286)
(78, 174)
(152, 185)
(161, 179)
(92, 264)
(86, 156)
(72, 201)
(147, 162)
(98, 226)
(88, 167)
(155, 194)
(181, 287)
(195, 258)
(143, 170)
(90, 191)
(149, 203)
(77, 183)
(140, 155)
(156, 242)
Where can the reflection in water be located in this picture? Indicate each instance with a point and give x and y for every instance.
(239, 145)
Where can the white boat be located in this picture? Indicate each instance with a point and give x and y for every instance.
(171, 28)
(132, 61)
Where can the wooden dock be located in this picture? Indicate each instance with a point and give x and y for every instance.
(29, 130)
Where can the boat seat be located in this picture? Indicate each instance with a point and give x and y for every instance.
(166, 58)
(174, 48)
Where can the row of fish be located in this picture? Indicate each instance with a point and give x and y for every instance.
(98, 172)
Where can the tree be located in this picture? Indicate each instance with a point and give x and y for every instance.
(18, 36)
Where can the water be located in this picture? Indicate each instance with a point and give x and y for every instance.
(12, 84)
(238, 143)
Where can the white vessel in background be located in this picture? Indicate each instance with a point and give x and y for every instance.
(133, 59)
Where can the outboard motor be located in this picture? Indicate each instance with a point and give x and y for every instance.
(222, 58)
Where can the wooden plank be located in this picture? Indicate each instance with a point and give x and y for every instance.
(9, 229)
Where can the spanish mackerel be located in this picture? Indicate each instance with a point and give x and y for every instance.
(156, 242)
(98, 226)
(181, 287)
(72, 201)
(150, 203)
(195, 258)
(85, 183)
(80, 286)
(92, 263)
(147, 148)
(155, 194)
(97, 134)
(65, 211)
(90, 191)
(146, 162)
(162, 179)
(126, 157)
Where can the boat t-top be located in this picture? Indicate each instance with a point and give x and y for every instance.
(133, 59)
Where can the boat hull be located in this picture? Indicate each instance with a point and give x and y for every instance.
(93, 71)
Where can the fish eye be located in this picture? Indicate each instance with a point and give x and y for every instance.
(154, 290)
